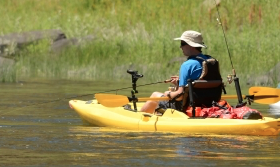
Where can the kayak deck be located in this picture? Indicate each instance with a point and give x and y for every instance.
(171, 121)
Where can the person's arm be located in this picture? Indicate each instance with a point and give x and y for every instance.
(172, 95)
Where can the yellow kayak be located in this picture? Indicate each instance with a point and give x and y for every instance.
(171, 121)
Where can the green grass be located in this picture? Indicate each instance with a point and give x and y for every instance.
(139, 35)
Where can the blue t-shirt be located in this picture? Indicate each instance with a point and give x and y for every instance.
(191, 69)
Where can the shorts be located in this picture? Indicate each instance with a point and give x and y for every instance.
(177, 105)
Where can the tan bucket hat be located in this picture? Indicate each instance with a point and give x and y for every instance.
(192, 38)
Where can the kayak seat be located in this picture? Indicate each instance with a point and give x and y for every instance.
(202, 93)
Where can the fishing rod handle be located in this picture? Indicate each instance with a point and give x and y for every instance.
(167, 81)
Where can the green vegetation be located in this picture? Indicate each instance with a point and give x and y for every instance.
(139, 34)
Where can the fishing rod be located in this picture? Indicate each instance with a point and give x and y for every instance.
(60, 99)
(218, 19)
(233, 76)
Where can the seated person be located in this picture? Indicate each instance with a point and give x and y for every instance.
(191, 45)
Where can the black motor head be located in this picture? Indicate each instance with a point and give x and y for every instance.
(135, 74)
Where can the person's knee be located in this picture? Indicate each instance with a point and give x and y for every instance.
(156, 94)
(152, 103)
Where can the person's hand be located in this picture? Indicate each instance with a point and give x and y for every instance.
(175, 80)
(172, 78)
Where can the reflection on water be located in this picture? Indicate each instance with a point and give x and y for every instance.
(51, 134)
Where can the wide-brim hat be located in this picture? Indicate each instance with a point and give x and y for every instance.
(192, 38)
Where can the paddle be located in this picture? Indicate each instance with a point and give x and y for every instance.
(255, 89)
(112, 100)
(258, 98)
(270, 95)
(265, 96)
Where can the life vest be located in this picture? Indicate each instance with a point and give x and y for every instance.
(210, 71)
(210, 68)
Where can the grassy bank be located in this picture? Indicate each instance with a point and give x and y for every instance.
(139, 35)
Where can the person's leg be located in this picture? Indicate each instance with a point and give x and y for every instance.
(150, 106)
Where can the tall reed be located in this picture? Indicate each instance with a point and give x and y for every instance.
(139, 35)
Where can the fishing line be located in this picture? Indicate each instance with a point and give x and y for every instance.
(66, 98)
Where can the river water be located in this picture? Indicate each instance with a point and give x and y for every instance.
(38, 128)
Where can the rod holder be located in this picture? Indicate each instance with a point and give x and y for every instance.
(238, 90)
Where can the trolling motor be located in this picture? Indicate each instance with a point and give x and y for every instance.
(134, 77)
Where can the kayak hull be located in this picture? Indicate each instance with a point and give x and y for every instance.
(171, 121)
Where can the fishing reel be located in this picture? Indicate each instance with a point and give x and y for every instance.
(230, 78)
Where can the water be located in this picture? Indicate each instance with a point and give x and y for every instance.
(38, 128)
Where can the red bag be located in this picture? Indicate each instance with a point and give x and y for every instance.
(245, 112)
(217, 112)
(225, 111)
